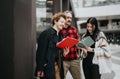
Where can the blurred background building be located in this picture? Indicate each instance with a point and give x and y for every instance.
(106, 11)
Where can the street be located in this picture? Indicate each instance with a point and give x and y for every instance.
(115, 50)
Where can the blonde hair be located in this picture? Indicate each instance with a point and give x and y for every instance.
(57, 16)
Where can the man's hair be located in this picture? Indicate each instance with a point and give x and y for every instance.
(67, 11)
(57, 16)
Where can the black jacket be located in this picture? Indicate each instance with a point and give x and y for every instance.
(47, 53)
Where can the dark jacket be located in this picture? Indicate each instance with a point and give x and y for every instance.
(47, 53)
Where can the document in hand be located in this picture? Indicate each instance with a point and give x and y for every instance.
(67, 42)
(87, 41)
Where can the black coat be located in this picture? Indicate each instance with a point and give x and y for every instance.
(47, 53)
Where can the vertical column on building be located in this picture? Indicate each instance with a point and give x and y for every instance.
(57, 6)
(6, 40)
(66, 5)
(110, 24)
(24, 38)
(17, 38)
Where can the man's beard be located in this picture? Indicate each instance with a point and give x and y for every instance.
(69, 23)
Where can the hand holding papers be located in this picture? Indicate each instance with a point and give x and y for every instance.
(87, 41)
(67, 42)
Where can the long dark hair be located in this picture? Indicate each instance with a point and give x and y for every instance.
(93, 22)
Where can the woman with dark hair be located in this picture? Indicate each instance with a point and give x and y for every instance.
(97, 53)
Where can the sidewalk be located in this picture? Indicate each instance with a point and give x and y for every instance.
(112, 47)
(116, 67)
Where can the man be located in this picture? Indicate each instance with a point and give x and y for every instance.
(71, 61)
(47, 53)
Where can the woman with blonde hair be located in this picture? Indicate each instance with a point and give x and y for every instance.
(47, 54)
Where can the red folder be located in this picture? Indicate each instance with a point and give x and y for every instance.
(67, 42)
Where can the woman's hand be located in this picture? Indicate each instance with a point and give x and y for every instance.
(78, 47)
(84, 50)
(66, 51)
(89, 49)
(40, 74)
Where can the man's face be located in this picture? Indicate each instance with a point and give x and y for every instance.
(68, 19)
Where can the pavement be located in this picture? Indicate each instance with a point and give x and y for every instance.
(115, 74)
